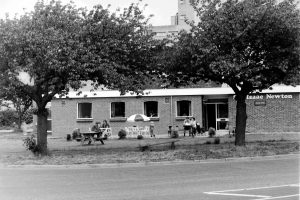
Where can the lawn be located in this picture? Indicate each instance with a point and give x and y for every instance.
(64, 152)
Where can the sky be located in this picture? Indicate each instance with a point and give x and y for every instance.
(161, 9)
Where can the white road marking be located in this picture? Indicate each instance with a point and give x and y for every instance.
(259, 197)
(280, 197)
(239, 195)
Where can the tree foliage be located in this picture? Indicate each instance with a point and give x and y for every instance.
(60, 46)
(21, 101)
(249, 45)
(121, 53)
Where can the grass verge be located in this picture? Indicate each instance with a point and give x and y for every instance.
(186, 150)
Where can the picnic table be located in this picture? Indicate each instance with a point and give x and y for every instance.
(91, 137)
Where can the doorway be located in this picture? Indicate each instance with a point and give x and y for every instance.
(216, 115)
(211, 116)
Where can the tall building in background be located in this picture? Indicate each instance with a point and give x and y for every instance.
(185, 11)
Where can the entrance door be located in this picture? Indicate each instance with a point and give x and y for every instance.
(222, 116)
(216, 116)
(211, 115)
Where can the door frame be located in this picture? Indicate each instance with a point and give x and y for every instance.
(216, 115)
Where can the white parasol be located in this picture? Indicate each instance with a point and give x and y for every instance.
(138, 117)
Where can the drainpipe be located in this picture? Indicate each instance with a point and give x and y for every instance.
(171, 113)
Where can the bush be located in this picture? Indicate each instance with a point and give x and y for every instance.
(211, 132)
(208, 142)
(68, 137)
(30, 144)
(217, 140)
(8, 117)
(140, 137)
(76, 133)
(122, 134)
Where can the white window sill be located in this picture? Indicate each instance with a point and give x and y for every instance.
(84, 119)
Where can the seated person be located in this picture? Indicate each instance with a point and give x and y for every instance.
(105, 124)
(96, 128)
(187, 126)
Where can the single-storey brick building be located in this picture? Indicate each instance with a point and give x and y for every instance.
(275, 110)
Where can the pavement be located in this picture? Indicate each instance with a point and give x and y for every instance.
(261, 178)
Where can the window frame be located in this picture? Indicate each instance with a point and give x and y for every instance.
(190, 109)
(49, 119)
(118, 117)
(145, 102)
(84, 118)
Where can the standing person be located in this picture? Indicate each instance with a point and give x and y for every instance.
(152, 129)
(186, 126)
(198, 128)
(193, 126)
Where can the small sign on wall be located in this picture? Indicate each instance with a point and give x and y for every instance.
(260, 103)
(167, 100)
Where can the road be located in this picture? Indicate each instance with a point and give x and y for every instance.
(242, 179)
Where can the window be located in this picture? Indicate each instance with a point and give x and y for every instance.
(184, 108)
(84, 110)
(151, 108)
(222, 110)
(118, 109)
(49, 121)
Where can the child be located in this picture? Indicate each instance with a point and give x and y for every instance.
(152, 129)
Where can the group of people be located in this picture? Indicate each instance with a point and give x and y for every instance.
(97, 127)
(191, 126)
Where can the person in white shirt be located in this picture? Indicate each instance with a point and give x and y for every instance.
(187, 126)
(193, 126)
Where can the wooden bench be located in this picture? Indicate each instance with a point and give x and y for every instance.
(148, 146)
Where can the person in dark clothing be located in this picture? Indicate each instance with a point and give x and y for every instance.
(97, 128)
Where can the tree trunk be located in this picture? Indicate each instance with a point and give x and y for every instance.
(19, 122)
(42, 131)
(241, 119)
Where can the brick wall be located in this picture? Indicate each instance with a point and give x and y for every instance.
(270, 113)
(64, 113)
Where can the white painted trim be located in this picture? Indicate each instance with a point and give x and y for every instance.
(179, 92)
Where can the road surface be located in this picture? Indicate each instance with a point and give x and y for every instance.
(242, 179)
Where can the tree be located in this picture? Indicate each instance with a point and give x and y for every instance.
(249, 45)
(43, 44)
(122, 54)
(20, 100)
(59, 46)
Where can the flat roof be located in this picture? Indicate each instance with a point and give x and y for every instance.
(176, 92)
